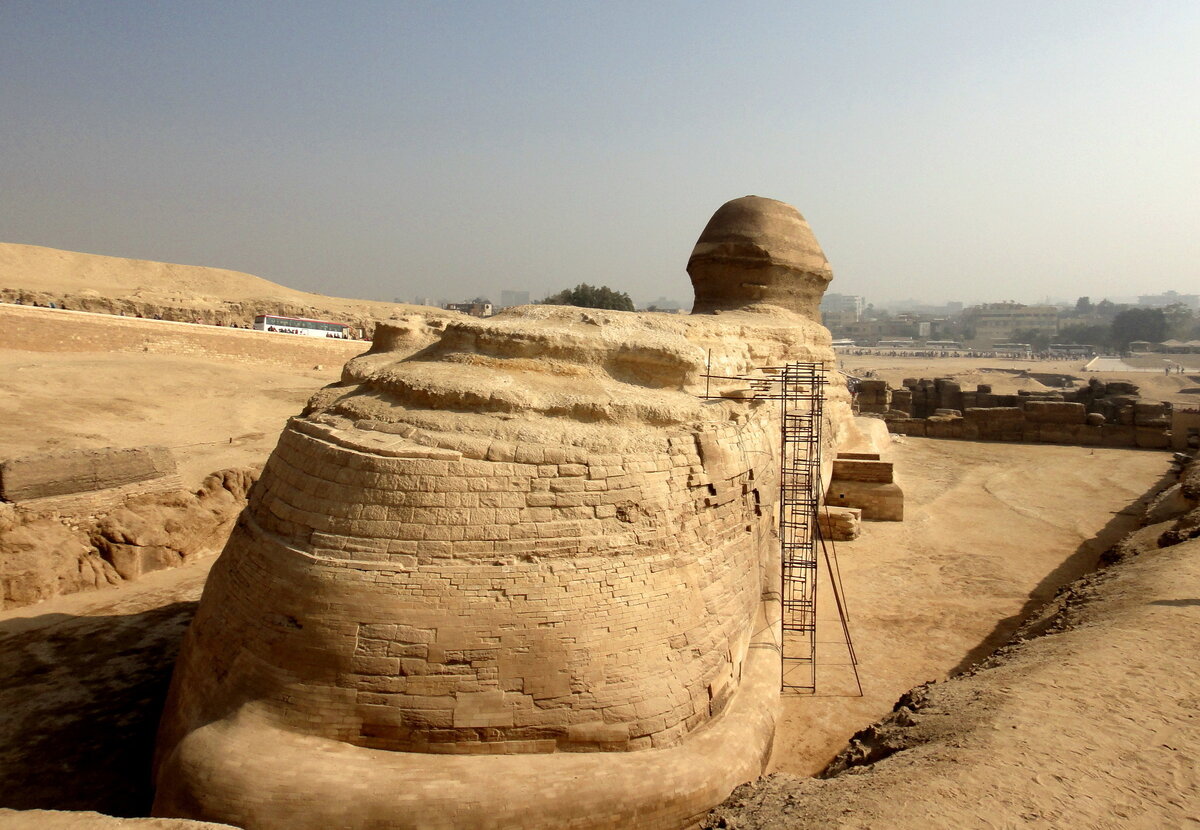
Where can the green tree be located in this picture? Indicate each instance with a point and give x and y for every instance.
(1039, 340)
(1148, 324)
(1084, 334)
(588, 296)
(1180, 321)
(1083, 305)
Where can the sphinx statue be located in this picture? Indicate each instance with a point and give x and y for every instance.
(509, 572)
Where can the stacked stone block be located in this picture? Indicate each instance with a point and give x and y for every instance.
(873, 396)
(868, 485)
(1099, 414)
(534, 591)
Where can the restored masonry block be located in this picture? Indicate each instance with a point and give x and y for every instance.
(532, 538)
(1098, 414)
(841, 524)
(80, 471)
(866, 484)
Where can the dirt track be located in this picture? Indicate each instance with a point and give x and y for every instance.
(991, 531)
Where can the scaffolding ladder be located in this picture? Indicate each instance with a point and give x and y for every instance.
(800, 390)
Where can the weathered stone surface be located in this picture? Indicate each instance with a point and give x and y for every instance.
(862, 470)
(841, 524)
(878, 502)
(1054, 412)
(43, 556)
(758, 251)
(532, 538)
(77, 471)
(67, 820)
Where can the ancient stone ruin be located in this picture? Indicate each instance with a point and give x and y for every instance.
(1097, 414)
(522, 577)
(75, 520)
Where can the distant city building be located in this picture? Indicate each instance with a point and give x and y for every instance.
(1192, 301)
(433, 301)
(998, 322)
(475, 309)
(915, 307)
(840, 310)
(844, 302)
(508, 298)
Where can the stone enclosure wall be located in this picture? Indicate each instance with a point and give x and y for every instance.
(1098, 414)
(82, 519)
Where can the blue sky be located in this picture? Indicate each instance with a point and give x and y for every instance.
(941, 150)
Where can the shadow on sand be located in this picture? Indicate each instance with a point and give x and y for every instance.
(80, 699)
(1083, 561)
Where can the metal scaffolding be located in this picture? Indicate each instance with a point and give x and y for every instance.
(800, 390)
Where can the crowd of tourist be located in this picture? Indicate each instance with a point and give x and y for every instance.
(936, 353)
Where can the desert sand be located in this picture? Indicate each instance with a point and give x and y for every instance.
(1089, 728)
(211, 414)
(992, 530)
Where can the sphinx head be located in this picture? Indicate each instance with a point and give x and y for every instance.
(758, 252)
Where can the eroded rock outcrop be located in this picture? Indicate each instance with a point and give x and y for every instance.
(78, 539)
(533, 538)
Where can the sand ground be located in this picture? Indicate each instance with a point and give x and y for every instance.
(991, 530)
(212, 415)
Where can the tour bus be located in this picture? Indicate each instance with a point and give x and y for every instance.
(1014, 348)
(300, 325)
(945, 344)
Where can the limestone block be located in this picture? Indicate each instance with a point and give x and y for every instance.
(1095, 419)
(878, 501)
(1150, 413)
(1054, 412)
(1056, 433)
(944, 427)
(1152, 438)
(995, 423)
(949, 394)
(907, 426)
(841, 524)
(862, 470)
(1088, 435)
(1117, 435)
(77, 471)
(1121, 387)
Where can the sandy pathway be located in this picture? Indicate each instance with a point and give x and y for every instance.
(213, 415)
(991, 531)
(1094, 726)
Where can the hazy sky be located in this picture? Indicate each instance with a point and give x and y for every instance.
(940, 150)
